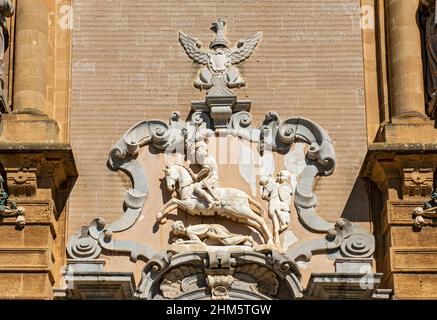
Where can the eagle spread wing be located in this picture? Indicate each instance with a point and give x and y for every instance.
(192, 48)
(244, 48)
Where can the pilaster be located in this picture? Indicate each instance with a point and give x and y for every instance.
(39, 178)
(405, 175)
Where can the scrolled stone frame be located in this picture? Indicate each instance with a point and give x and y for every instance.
(276, 135)
(174, 274)
(123, 157)
(341, 237)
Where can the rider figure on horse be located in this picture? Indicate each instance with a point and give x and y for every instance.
(206, 181)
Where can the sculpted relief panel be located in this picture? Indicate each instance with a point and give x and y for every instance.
(207, 227)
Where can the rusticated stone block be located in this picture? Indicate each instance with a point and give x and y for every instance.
(37, 211)
(401, 212)
(405, 237)
(413, 260)
(18, 259)
(36, 286)
(415, 286)
(37, 129)
(38, 236)
(11, 284)
(10, 237)
(17, 285)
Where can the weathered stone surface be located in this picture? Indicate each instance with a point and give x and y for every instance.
(101, 286)
(405, 237)
(401, 212)
(343, 286)
(414, 259)
(415, 286)
(25, 285)
(33, 128)
(20, 259)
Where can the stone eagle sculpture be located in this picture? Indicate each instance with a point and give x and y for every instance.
(219, 75)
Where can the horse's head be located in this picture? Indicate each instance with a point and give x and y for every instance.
(172, 177)
(268, 185)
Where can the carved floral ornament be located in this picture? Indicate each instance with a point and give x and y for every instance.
(181, 271)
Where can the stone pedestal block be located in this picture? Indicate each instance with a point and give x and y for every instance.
(341, 286)
(31, 126)
(411, 130)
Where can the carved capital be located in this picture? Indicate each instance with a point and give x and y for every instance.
(417, 182)
(22, 182)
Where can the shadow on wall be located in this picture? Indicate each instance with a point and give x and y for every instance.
(357, 208)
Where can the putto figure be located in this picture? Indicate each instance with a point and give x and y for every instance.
(214, 232)
(277, 191)
(220, 75)
(6, 10)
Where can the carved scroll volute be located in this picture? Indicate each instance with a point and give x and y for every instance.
(201, 120)
(269, 130)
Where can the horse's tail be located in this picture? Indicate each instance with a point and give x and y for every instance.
(262, 211)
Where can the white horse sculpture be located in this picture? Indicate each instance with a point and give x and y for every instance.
(233, 203)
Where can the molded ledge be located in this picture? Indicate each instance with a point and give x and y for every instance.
(411, 133)
(28, 127)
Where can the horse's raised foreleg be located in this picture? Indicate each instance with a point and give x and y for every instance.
(165, 206)
(170, 209)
